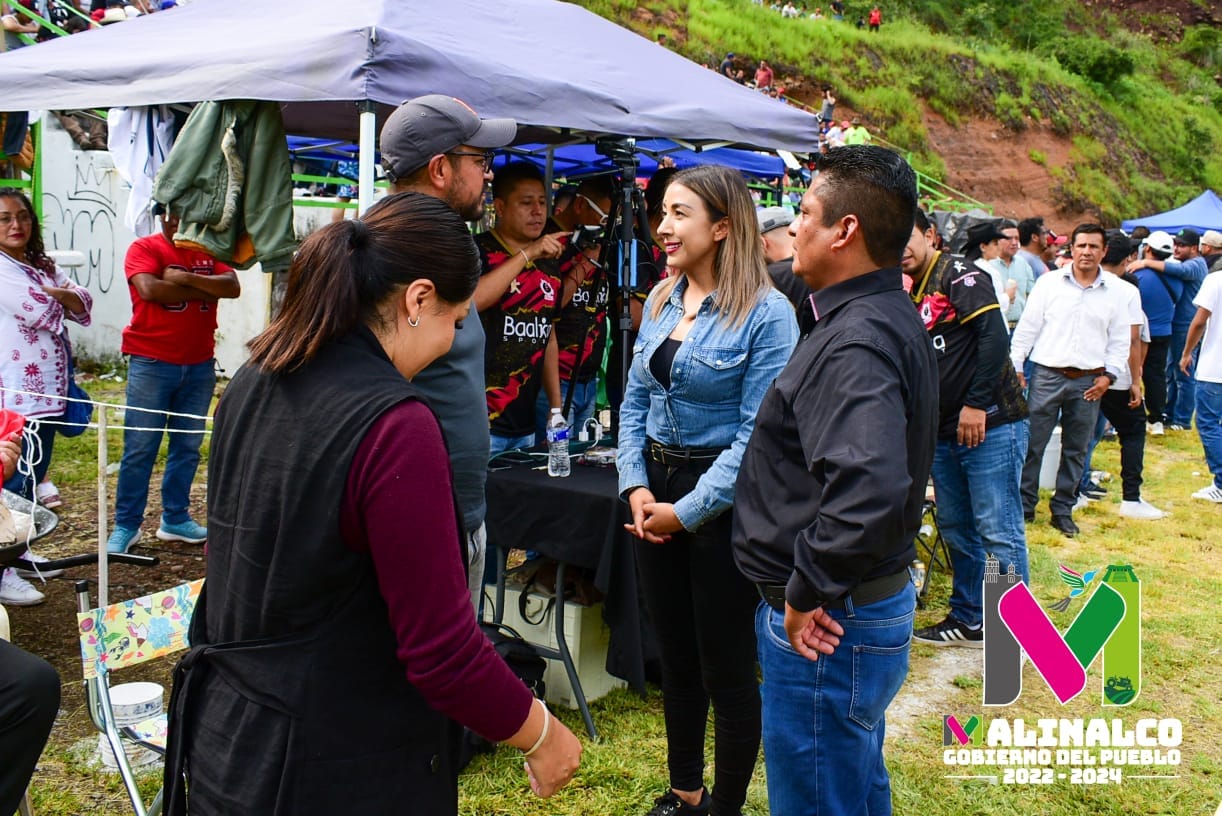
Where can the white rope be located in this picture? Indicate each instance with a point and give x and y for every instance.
(114, 405)
(27, 463)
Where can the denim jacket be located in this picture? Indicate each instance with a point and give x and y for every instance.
(718, 378)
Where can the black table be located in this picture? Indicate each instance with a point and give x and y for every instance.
(577, 521)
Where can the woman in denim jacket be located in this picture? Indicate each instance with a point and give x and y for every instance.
(714, 335)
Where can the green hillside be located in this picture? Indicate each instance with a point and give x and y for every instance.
(1134, 95)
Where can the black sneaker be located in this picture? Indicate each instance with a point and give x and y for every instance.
(671, 805)
(1094, 492)
(951, 632)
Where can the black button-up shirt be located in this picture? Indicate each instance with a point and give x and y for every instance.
(831, 486)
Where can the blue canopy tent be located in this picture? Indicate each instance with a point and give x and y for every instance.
(1202, 213)
(338, 71)
(577, 160)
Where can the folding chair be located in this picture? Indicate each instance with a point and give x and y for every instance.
(127, 634)
(936, 554)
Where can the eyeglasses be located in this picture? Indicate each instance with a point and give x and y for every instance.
(602, 216)
(486, 155)
(22, 218)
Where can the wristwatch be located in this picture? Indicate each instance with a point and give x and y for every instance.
(1111, 378)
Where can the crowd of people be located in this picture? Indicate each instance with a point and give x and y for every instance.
(762, 340)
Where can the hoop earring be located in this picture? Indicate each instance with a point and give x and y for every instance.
(412, 323)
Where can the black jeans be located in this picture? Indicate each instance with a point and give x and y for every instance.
(1154, 378)
(1130, 425)
(29, 699)
(703, 613)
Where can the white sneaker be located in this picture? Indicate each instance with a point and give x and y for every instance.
(17, 591)
(1140, 509)
(41, 573)
(1210, 494)
(1082, 502)
(1156, 429)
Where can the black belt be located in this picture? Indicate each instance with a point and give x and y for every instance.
(1078, 373)
(867, 592)
(679, 457)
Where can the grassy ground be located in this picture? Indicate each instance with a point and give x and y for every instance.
(1178, 560)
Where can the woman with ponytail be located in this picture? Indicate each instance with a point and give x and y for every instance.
(335, 646)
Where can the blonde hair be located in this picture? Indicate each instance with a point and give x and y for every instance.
(739, 270)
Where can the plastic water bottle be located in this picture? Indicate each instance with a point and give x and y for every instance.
(557, 445)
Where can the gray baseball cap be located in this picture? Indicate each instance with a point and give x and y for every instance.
(771, 218)
(425, 126)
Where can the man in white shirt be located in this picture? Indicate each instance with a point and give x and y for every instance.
(1077, 335)
(1208, 322)
(1012, 266)
(1122, 405)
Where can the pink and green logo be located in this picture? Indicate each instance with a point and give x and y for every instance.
(955, 733)
(1015, 626)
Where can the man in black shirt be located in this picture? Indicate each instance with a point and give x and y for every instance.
(830, 490)
(982, 430)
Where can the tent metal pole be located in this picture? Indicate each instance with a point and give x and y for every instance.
(549, 175)
(368, 133)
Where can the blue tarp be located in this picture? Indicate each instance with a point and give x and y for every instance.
(548, 64)
(1202, 213)
(575, 161)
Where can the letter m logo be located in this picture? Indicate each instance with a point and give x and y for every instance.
(1110, 622)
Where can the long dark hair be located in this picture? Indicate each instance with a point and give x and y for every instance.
(35, 252)
(344, 274)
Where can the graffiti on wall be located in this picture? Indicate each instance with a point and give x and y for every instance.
(83, 217)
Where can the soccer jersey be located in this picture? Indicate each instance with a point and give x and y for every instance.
(582, 326)
(516, 330)
(952, 293)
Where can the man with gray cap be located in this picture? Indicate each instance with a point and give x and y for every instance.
(778, 252)
(439, 146)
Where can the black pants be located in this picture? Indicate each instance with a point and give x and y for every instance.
(703, 613)
(1154, 378)
(1130, 425)
(29, 699)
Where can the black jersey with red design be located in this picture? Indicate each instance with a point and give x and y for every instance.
(582, 326)
(952, 293)
(516, 331)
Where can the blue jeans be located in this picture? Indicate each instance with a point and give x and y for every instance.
(500, 444)
(823, 720)
(1209, 426)
(1181, 387)
(158, 386)
(980, 511)
(584, 396)
(22, 484)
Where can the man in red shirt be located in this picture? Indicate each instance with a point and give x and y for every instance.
(170, 344)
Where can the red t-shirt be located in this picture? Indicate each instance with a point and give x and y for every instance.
(179, 333)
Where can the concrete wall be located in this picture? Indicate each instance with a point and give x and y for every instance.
(84, 199)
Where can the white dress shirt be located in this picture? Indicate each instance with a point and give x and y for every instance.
(1067, 325)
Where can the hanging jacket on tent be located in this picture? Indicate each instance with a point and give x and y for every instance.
(139, 140)
(229, 181)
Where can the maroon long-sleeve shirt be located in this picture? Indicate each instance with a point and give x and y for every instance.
(399, 508)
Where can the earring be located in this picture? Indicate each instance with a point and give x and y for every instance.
(413, 323)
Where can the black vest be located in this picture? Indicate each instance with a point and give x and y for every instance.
(292, 699)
